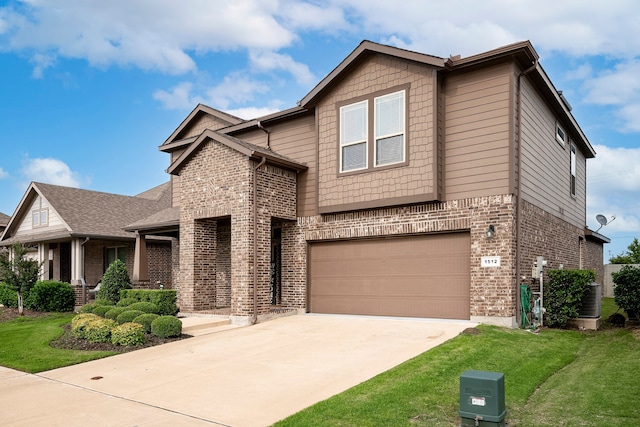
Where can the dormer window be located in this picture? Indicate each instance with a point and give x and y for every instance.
(387, 114)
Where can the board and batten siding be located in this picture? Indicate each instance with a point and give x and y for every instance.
(296, 139)
(477, 132)
(26, 223)
(546, 164)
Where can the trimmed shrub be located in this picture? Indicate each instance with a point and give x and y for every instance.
(147, 307)
(166, 326)
(165, 299)
(127, 334)
(563, 295)
(145, 320)
(626, 291)
(88, 308)
(128, 315)
(50, 296)
(8, 297)
(99, 330)
(115, 279)
(126, 302)
(102, 301)
(101, 310)
(80, 322)
(115, 312)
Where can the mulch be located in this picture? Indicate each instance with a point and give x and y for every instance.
(69, 342)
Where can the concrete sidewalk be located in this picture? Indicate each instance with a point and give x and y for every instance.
(249, 376)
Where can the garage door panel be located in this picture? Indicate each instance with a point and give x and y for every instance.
(418, 276)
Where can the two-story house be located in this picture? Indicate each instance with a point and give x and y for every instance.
(403, 184)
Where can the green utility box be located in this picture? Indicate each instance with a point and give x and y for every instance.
(482, 399)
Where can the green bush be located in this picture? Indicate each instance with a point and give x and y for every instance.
(563, 295)
(115, 279)
(166, 326)
(165, 299)
(145, 306)
(101, 310)
(115, 312)
(80, 322)
(88, 308)
(99, 330)
(51, 296)
(128, 315)
(626, 291)
(145, 320)
(127, 334)
(8, 297)
(126, 302)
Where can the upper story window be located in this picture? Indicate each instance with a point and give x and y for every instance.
(561, 135)
(387, 113)
(353, 136)
(40, 217)
(573, 170)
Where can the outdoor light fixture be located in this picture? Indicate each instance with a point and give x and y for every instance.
(491, 231)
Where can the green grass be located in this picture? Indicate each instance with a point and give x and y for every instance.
(24, 344)
(554, 378)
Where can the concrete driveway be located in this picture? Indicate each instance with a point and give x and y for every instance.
(236, 376)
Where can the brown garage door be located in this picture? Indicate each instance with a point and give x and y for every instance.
(416, 276)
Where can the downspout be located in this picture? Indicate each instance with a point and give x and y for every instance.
(255, 239)
(84, 283)
(519, 187)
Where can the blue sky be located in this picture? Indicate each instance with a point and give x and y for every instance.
(90, 89)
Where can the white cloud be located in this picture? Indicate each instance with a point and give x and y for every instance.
(178, 98)
(252, 112)
(269, 61)
(157, 35)
(613, 184)
(3, 173)
(50, 171)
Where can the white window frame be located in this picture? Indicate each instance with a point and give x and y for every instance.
(40, 217)
(401, 132)
(364, 141)
(561, 135)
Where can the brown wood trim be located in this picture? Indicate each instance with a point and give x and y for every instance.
(392, 201)
(406, 87)
(438, 123)
(514, 105)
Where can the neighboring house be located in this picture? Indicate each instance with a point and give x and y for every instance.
(77, 233)
(4, 220)
(403, 184)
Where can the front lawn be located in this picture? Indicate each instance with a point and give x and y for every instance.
(554, 378)
(24, 344)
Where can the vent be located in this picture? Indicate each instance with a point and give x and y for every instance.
(592, 302)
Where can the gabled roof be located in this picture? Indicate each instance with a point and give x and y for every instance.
(200, 109)
(246, 148)
(85, 213)
(365, 49)
(166, 219)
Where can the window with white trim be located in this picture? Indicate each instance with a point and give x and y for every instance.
(388, 133)
(40, 217)
(561, 135)
(573, 170)
(353, 136)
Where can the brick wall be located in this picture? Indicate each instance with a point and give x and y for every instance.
(543, 234)
(592, 259)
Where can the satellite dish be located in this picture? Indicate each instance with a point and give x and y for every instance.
(602, 220)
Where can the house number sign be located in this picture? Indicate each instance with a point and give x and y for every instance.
(490, 261)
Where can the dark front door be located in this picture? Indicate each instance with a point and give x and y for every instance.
(65, 262)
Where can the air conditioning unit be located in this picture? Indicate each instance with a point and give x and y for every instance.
(592, 302)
